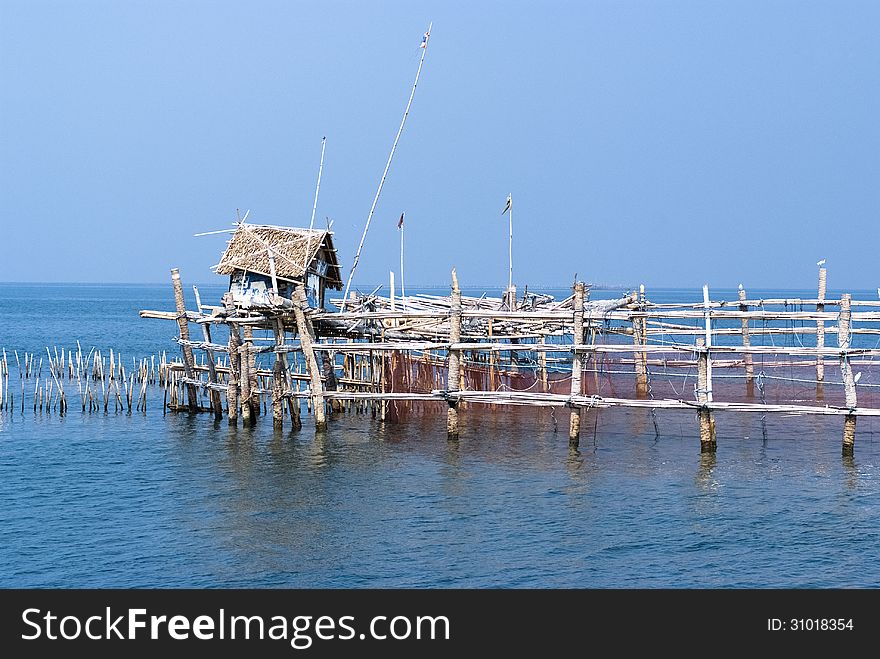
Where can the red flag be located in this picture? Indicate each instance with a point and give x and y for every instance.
(400, 222)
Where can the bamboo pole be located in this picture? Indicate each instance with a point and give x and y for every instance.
(245, 387)
(277, 395)
(357, 254)
(383, 405)
(574, 426)
(542, 365)
(292, 404)
(183, 324)
(252, 370)
(707, 420)
(640, 328)
(492, 357)
(849, 384)
(234, 370)
(747, 342)
(306, 335)
(820, 325)
(452, 375)
(706, 305)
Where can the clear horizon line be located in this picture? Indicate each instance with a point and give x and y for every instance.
(442, 285)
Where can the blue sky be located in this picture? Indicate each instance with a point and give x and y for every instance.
(671, 143)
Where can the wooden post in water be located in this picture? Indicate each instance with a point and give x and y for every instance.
(234, 370)
(245, 379)
(254, 398)
(707, 420)
(574, 425)
(212, 371)
(292, 402)
(849, 383)
(453, 372)
(491, 359)
(306, 333)
(820, 327)
(277, 393)
(383, 405)
(183, 324)
(640, 337)
(542, 365)
(747, 342)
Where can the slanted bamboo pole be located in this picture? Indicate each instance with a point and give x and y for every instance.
(849, 384)
(183, 324)
(306, 337)
(452, 375)
(574, 426)
(357, 254)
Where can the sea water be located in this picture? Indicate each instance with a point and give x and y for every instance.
(179, 500)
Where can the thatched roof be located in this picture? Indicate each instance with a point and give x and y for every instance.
(293, 250)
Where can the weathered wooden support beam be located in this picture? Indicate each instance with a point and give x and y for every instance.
(306, 339)
(574, 424)
(454, 370)
(849, 383)
(183, 324)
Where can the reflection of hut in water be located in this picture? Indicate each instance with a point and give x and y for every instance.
(257, 254)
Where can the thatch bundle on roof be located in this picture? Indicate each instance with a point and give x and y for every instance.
(294, 251)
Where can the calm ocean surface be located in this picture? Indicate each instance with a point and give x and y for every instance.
(119, 500)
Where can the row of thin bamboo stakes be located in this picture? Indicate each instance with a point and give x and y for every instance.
(48, 380)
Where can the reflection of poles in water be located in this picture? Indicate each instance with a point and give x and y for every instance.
(575, 460)
(638, 421)
(453, 454)
(320, 456)
(851, 471)
(707, 466)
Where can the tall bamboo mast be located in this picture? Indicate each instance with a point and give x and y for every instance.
(412, 93)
